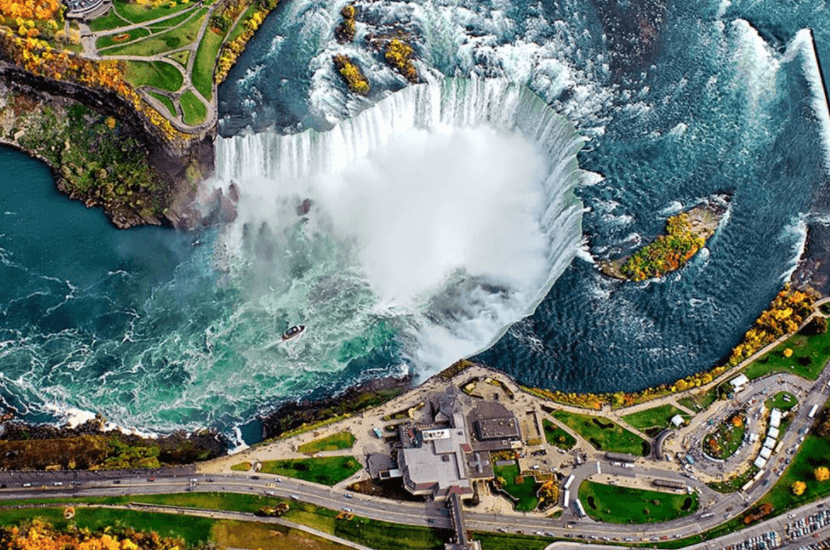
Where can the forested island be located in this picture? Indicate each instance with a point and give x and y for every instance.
(686, 233)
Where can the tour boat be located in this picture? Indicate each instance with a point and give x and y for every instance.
(293, 332)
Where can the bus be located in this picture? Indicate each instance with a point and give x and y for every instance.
(568, 482)
(579, 509)
(706, 515)
(813, 411)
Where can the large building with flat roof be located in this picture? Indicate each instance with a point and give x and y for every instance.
(433, 460)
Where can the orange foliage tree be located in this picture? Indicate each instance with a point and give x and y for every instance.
(40, 10)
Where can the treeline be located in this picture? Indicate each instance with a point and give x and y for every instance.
(222, 21)
(784, 315)
(40, 535)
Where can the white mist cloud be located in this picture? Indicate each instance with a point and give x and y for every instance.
(435, 201)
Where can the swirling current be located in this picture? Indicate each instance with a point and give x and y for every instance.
(462, 216)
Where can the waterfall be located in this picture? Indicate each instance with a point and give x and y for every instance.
(470, 282)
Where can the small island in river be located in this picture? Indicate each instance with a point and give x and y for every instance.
(686, 233)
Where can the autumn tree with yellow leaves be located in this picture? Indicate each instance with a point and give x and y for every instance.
(783, 316)
(798, 488)
(40, 10)
(40, 535)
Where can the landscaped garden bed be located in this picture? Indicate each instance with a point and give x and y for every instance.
(727, 437)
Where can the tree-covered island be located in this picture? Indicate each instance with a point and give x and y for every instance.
(686, 233)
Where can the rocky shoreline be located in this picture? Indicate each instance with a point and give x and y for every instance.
(104, 153)
(294, 415)
(93, 446)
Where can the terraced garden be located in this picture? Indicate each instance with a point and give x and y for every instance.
(171, 51)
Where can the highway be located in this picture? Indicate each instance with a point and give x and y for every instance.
(423, 514)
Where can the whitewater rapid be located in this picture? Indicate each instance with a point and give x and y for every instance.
(455, 200)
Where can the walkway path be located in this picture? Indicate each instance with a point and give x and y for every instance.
(89, 39)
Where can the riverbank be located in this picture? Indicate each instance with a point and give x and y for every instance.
(106, 155)
(94, 445)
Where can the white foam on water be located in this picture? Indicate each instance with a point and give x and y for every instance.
(804, 44)
(454, 200)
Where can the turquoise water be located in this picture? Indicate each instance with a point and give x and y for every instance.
(678, 102)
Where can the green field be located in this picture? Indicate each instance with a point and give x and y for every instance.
(778, 402)
(180, 57)
(334, 442)
(604, 434)
(205, 62)
(166, 101)
(658, 417)
(193, 110)
(613, 504)
(810, 354)
(375, 534)
(521, 488)
(326, 471)
(700, 401)
(135, 13)
(814, 452)
(557, 436)
(157, 74)
(163, 42)
(115, 39)
(194, 531)
(167, 23)
(107, 22)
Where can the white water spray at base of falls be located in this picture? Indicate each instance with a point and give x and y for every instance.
(447, 210)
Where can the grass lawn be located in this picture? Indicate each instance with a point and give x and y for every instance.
(180, 57)
(157, 74)
(241, 467)
(266, 536)
(114, 39)
(193, 110)
(557, 436)
(814, 452)
(613, 504)
(521, 488)
(725, 440)
(205, 62)
(136, 13)
(658, 417)
(107, 22)
(700, 401)
(194, 531)
(604, 434)
(778, 401)
(167, 103)
(164, 42)
(326, 471)
(167, 23)
(810, 353)
(334, 442)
